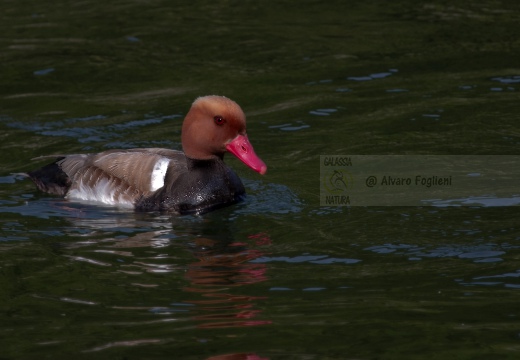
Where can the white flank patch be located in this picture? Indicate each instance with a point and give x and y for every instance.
(103, 192)
(158, 174)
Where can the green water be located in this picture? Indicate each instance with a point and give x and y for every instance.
(277, 277)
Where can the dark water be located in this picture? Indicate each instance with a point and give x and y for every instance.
(277, 277)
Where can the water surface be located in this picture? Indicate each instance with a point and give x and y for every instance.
(276, 277)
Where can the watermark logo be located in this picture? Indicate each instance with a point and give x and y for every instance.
(419, 180)
(336, 180)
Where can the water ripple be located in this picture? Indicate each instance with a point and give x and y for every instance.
(313, 259)
(478, 254)
(91, 133)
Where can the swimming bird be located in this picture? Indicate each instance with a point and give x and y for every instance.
(193, 181)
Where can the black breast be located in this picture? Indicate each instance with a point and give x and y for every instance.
(203, 186)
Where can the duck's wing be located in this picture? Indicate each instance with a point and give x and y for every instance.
(112, 177)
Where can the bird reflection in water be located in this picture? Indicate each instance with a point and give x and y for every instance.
(222, 261)
(220, 267)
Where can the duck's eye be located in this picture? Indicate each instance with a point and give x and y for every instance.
(219, 120)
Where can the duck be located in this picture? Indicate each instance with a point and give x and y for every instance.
(192, 181)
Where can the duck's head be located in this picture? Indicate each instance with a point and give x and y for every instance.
(214, 125)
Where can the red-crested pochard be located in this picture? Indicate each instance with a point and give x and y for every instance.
(153, 179)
